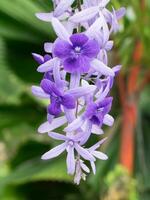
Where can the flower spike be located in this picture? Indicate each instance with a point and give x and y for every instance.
(77, 80)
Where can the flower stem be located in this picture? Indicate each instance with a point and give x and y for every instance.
(79, 8)
(79, 5)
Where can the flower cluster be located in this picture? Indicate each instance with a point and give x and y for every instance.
(77, 80)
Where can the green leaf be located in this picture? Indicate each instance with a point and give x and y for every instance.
(26, 15)
(10, 86)
(37, 170)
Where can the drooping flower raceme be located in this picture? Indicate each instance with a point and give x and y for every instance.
(77, 80)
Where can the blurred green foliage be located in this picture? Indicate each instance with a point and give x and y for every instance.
(23, 176)
(120, 185)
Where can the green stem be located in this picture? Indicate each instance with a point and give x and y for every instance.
(79, 5)
(79, 8)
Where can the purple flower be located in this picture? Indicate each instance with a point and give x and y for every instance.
(95, 112)
(76, 55)
(49, 76)
(41, 59)
(97, 154)
(95, 9)
(81, 167)
(79, 172)
(61, 7)
(57, 98)
(70, 144)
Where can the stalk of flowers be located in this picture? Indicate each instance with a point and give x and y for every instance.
(77, 80)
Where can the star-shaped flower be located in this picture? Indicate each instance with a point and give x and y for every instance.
(76, 55)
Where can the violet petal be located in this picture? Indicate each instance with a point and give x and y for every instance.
(100, 155)
(49, 87)
(80, 64)
(47, 66)
(85, 15)
(62, 49)
(68, 101)
(91, 49)
(108, 120)
(38, 58)
(47, 127)
(54, 152)
(54, 108)
(70, 160)
(84, 153)
(39, 92)
(60, 30)
(57, 136)
(62, 7)
(102, 68)
(47, 17)
(78, 39)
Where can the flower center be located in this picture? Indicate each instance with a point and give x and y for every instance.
(77, 50)
(70, 143)
(100, 110)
